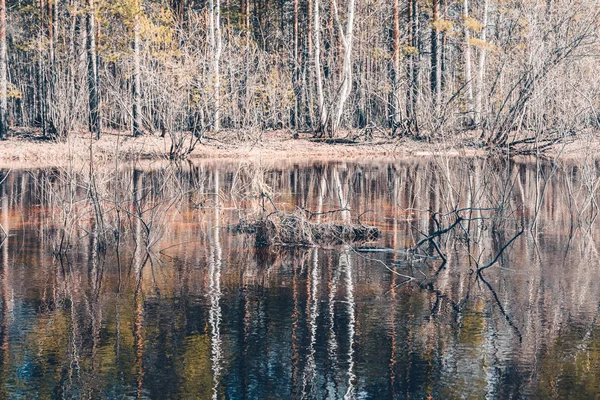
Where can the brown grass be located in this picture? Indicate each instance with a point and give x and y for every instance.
(26, 148)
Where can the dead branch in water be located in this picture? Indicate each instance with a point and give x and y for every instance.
(499, 254)
(457, 222)
(295, 229)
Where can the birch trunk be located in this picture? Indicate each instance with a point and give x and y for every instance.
(413, 87)
(435, 76)
(395, 100)
(51, 76)
(410, 111)
(42, 78)
(307, 78)
(317, 58)
(3, 74)
(443, 50)
(137, 125)
(296, 66)
(346, 85)
(94, 122)
(215, 53)
(51, 28)
(468, 74)
(481, 66)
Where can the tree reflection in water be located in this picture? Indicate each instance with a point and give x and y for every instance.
(180, 306)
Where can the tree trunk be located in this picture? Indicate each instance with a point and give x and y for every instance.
(41, 73)
(443, 50)
(51, 23)
(94, 121)
(50, 76)
(467, 53)
(137, 125)
(412, 96)
(307, 69)
(215, 54)
(72, 55)
(180, 10)
(410, 112)
(3, 74)
(346, 85)
(435, 78)
(317, 63)
(309, 27)
(481, 66)
(395, 100)
(243, 14)
(296, 67)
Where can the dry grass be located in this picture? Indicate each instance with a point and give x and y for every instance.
(26, 149)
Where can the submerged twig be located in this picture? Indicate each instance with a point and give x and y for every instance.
(499, 254)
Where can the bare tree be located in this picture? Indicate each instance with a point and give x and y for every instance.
(412, 94)
(322, 111)
(435, 71)
(92, 78)
(3, 75)
(136, 71)
(467, 61)
(346, 36)
(215, 55)
(296, 64)
(481, 66)
(395, 100)
(323, 64)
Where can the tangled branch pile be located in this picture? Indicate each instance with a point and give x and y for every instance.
(281, 228)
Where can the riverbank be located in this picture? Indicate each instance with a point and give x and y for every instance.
(30, 150)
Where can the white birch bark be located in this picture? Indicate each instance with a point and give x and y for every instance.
(317, 60)
(3, 69)
(481, 66)
(136, 73)
(346, 84)
(215, 54)
(468, 73)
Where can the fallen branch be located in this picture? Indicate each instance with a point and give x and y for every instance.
(280, 228)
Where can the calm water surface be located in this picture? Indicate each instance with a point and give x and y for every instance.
(180, 306)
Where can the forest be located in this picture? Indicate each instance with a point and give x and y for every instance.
(511, 72)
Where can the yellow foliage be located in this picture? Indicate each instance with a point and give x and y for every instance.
(273, 92)
(410, 50)
(126, 9)
(155, 28)
(473, 24)
(196, 97)
(443, 25)
(13, 92)
(111, 56)
(380, 53)
(25, 46)
(385, 87)
(482, 44)
(30, 9)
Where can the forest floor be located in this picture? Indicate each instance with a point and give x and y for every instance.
(28, 149)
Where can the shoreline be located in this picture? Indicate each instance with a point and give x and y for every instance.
(27, 151)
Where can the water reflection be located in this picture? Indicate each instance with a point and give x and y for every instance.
(345, 265)
(214, 276)
(179, 306)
